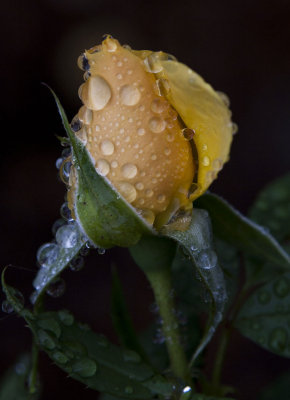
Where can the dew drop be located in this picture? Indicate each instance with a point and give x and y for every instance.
(85, 367)
(139, 186)
(148, 215)
(225, 98)
(59, 162)
(161, 198)
(278, 339)
(65, 212)
(163, 87)
(129, 171)
(152, 65)
(99, 93)
(157, 125)
(129, 390)
(65, 171)
(46, 340)
(101, 251)
(107, 147)
(130, 95)
(170, 137)
(205, 161)
(56, 288)
(47, 254)
(207, 259)
(149, 193)
(264, 297)
(141, 131)
(158, 106)
(83, 62)
(114, 164)
(76, 124)
(111, 45)
(119, 76)
(127, 191)
(60, 357)
(235, 128)
(7, 307)
(87, 115)
(131, 356)
(282, 287)
(67, 236)
(188, 133)
(82, 136)
(103, 167)
(77, 263)
(66, 317)
(186, 393)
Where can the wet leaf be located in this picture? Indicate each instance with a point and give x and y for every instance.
(197, 244)
(106, 218)
(265, 316)
(244, 234)
(90, 358)
(272, 209)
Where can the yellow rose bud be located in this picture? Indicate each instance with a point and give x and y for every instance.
(153, 128)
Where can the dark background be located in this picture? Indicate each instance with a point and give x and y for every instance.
(240, 47)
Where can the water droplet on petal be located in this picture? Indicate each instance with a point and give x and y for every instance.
(186, 393)
(225, 98)
(83, 62)
(56, 288)
(278, 339)
(129, 171)
(158, 106)
(107, 147)
(99, 93)
(85, 367)
(67, 236)
(163, 87)
(148, 215)
(141, 131)
(59, 162)
(57, 224)
(157, 124)
(47, 254)
(139, 186)
(161, 198)
(127, 191)
(103, 167)
(235, 128)
(152, 65)
(7, 307)
(130, 95)
(188, 133)
(205, 161)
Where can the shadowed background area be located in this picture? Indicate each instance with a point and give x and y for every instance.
(240, 47)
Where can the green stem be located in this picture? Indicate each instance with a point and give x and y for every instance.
(220, 356)
(160, 280)
(224, 340)
(33, 384)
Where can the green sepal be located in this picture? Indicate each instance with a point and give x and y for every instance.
(13, 384)
(105, 217)
(231, 226)
(264, 317)
(197, 244)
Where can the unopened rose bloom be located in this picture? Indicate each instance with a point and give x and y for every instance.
(154, 129)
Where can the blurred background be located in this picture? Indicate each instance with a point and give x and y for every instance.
(241, 47)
